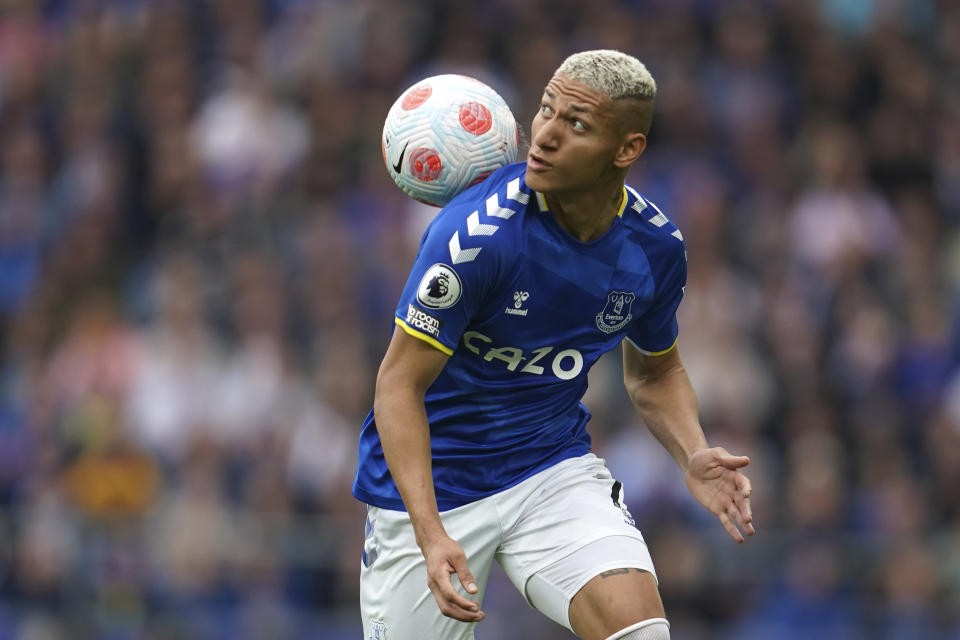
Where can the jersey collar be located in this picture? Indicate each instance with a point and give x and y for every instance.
(542, 202)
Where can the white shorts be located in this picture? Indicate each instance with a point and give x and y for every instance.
(564, 525)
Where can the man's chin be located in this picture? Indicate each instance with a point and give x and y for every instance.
(536, 181)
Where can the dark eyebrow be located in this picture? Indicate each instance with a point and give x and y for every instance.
(572, 107)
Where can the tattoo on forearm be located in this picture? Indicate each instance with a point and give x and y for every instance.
(618, 572)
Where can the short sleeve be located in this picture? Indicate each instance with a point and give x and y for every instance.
(655, 331)
(449, 280)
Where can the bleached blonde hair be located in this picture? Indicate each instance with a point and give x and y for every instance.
(611, 73)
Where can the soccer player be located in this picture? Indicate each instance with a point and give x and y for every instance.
(476, 449)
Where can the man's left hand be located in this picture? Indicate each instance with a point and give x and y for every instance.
(713, 477)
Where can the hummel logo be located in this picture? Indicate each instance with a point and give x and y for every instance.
(399, 164)
(519, 297)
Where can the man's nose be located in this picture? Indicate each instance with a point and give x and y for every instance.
(546, 137)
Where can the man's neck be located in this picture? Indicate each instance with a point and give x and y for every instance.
(586, 217)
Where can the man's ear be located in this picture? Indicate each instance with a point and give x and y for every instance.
(631, 149)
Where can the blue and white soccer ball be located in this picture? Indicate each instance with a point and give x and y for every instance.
(446, 133)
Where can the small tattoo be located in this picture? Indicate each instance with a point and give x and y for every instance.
(618, 572)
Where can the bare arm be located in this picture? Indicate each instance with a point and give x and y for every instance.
(659, 388)
(408, 369)
(661, 391)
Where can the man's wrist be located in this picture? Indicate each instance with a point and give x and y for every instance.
(685, 460)
(429, 531)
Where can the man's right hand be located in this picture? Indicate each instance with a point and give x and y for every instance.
(445, 557)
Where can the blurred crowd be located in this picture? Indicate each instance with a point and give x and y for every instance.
(200, 253)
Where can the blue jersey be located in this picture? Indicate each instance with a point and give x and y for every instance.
(523, 310)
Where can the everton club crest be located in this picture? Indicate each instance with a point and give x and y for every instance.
(378, 630)
(616, 312)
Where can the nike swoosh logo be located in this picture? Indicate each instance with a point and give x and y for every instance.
(399, 164)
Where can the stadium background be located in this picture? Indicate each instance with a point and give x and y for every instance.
(200, 252)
